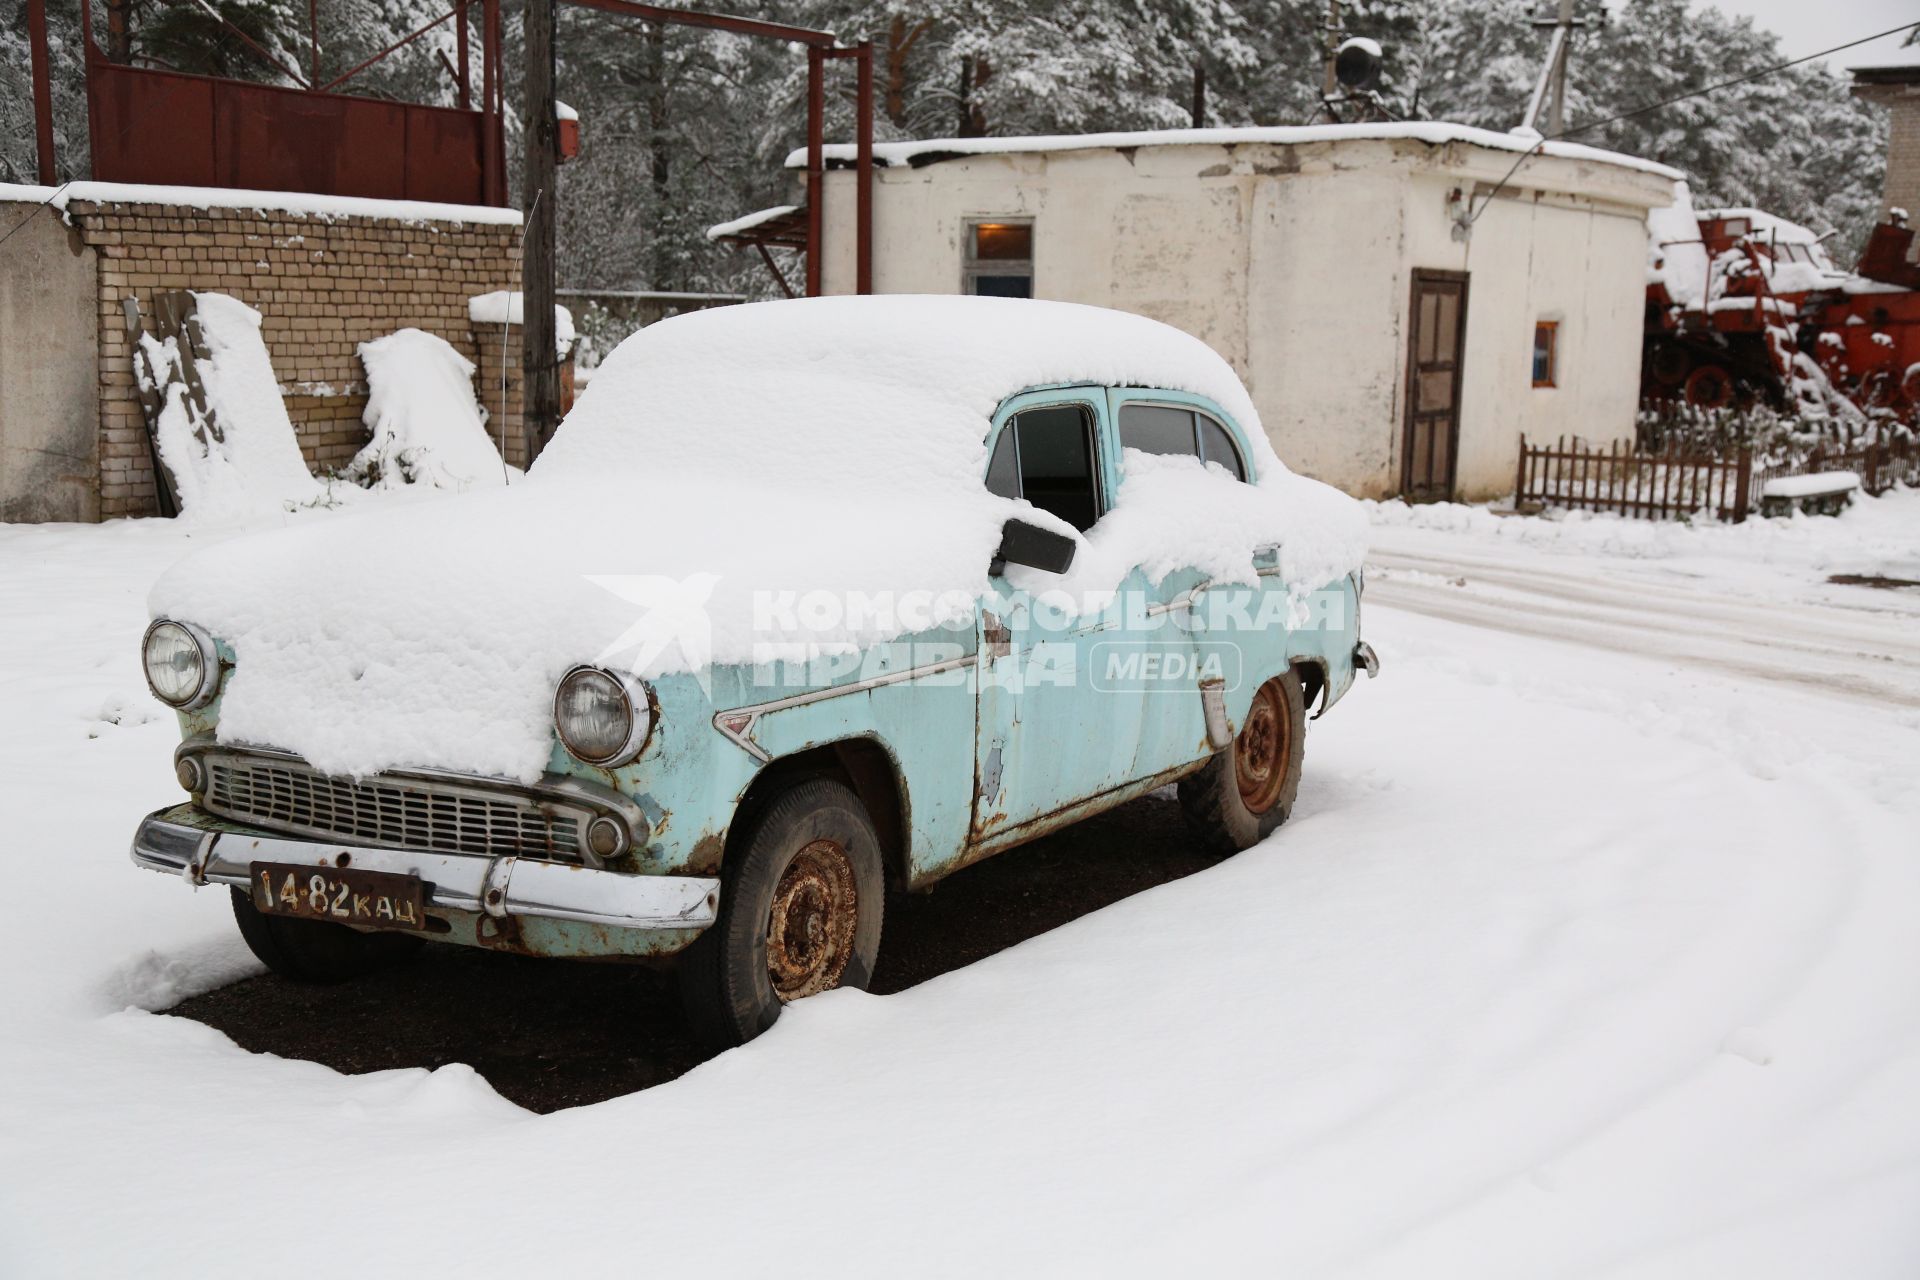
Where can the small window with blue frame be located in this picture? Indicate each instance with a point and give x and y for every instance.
(1000, 258)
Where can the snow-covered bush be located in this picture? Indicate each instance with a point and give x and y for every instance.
(426, 426)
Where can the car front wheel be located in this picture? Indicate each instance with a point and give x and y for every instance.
(1245, 792)
(802, 898)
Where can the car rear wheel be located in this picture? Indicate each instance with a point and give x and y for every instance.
(802, 899)
(314, 951)
(1245, 792)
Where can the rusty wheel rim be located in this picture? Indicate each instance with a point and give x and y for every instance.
(1260, 753)
(810, 930)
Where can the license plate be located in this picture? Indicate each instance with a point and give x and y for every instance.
(379, 899)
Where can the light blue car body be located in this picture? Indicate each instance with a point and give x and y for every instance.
(952, 764)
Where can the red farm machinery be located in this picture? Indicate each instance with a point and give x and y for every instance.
(1744, 308)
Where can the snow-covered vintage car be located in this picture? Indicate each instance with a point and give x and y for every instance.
(804, 600)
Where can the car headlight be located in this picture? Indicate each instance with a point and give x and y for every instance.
(183, 668)
(602, 717)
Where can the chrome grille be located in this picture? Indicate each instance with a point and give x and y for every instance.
(407, 813)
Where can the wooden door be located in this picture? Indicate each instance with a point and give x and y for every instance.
(1436, 338)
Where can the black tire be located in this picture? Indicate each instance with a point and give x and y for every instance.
(813, 849)
(1246, 791)
(314, 951)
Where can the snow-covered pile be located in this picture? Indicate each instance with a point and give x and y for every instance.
(246, 459)
(1676, 257)
(832, 445)
(504, 307)
(425, 425)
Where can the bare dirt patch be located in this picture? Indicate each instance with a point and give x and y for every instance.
(553, 1034)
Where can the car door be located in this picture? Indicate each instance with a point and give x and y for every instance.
(1057, 723)
(1176, 653)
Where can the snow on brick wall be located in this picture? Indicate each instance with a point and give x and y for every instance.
(322, 284)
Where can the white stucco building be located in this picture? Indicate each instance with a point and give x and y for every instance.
(1389, 349)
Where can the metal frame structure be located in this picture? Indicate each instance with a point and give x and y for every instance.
(822, 47)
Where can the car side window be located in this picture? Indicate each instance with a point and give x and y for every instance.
(1003, 469)
(1158, 428)
(1216, 446)
(1048, 457)
(1182, 432)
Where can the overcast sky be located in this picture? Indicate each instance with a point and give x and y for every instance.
(1808, 26)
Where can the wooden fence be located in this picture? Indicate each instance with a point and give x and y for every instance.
(1620, 478)
(1880, 466)
(1676, 483)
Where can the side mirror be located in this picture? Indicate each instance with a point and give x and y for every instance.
(1030, 545)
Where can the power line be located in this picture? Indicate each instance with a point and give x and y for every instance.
(1751, 76)
(1728, 84)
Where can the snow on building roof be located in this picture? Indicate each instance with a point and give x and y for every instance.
(299, 202)
(1906, 58)
(1435, 133)
(747, 223)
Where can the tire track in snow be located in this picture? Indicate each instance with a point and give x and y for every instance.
(1803, 644)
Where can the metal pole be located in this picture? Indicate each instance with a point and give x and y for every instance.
(816, 164)
(1199, 95)
(539, 364)
(1556, 118)
(42, 89)
(463, 55)
(863, 169)
(313, 37)
(493, 163)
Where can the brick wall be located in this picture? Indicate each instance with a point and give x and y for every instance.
(1903, 157)
(323, 285)
(1899, 92)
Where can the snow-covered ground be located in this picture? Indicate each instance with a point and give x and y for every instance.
(1593, 948)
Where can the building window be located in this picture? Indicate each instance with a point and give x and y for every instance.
(1000, 259)
(1546, 354)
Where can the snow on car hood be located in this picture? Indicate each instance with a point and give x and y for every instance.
(829, 445)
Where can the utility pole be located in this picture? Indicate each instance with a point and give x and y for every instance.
(1563, 31)
(1550, 91)
(539, 365)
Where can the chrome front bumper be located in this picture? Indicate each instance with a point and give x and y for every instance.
(498, 887)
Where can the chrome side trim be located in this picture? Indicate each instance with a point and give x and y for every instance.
(499, 887)
(736, 725)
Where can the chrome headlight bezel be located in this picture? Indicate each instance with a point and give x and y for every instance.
(634, 698)
(207, 686)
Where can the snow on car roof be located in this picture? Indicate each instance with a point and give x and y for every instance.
(849, 389)
(1433, 132)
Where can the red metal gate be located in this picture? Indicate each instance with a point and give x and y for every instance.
(165, 127)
